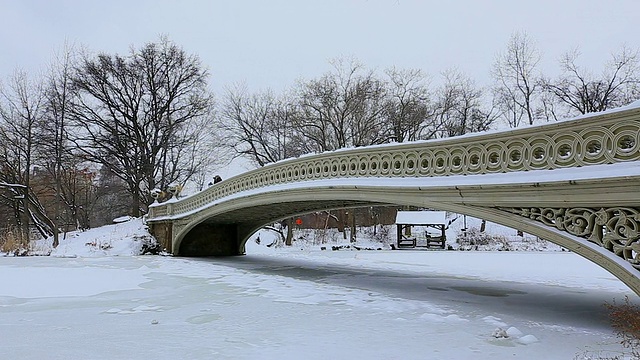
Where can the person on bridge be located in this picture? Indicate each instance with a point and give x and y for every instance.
(216, 179)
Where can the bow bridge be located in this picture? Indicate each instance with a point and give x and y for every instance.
(575, 183)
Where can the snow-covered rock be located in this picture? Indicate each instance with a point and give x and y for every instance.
(527, 340)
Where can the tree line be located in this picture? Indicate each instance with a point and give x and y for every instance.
(352, 106)
(91, 137)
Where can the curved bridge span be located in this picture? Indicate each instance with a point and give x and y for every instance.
(575, 183)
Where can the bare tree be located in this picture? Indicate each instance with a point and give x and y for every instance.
(143, 116)
(550, 108)
(56, 156)
(341, 109)
(407, 104)
(516, 84)
(109, 197)
(259, 126)
(459, 106)
(21, 109)
(582, 92)
(367, 123)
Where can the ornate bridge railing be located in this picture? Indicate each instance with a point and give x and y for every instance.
(603, 138)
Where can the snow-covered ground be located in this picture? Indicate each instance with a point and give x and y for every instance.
(301, 302)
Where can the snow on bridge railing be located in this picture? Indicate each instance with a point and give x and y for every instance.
(601, 138)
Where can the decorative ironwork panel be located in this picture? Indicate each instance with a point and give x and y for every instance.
(615, 229)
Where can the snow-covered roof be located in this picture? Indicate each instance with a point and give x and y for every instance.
(421, 217)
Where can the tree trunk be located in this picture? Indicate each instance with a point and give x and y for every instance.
(352, 223)
(56, 216)
(135, 203)
(289, 239)
(25, 220)
(340, 223)
(27, 184)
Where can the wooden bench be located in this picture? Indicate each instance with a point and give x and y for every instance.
(435, 241)
(405, 242)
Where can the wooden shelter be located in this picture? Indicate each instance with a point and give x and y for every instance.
(432, 235)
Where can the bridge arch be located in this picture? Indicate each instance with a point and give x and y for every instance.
(259, 209)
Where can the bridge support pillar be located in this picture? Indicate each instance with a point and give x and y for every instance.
(210, 240)
(163, 232)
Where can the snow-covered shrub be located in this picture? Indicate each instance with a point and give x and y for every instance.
(149, 245)
(304, 236)
(317, 236)
(14, 242)
(625, 320)
(380, 233)
(100, 245)
(474, 239)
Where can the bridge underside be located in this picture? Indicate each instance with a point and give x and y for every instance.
(226, 233)
(268, 213)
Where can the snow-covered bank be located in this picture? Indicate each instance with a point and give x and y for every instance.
(129, 237)
(126, 237)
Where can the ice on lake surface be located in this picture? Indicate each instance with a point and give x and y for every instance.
(311, 305)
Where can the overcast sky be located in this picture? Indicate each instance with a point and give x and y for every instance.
(271, 43)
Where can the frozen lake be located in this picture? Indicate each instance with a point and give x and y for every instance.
(311, 305)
